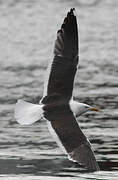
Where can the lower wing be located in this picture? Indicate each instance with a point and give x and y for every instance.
(72, 139)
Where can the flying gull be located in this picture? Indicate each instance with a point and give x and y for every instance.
(57, 105)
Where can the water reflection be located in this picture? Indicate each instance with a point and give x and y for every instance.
(45, 167)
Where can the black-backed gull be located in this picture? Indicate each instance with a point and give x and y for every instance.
(57, 105)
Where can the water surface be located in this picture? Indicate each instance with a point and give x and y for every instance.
(27, 34)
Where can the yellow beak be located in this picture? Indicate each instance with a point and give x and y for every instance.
(94, 109)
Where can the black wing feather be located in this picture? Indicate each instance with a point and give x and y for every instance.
(71, 136)
(65, 60)
(66, 43)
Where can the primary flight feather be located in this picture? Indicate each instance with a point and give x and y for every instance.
(57, 105)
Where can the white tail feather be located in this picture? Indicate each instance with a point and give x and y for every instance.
(27, 113)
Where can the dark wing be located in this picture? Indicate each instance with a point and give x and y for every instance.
(64, 65)
(71, 137)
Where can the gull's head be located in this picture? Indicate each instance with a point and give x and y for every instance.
(85, 107)
(80, 108)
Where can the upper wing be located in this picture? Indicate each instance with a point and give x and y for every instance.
(64, 65)
(72, 138)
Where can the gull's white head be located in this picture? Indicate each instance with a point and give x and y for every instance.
(80, 108)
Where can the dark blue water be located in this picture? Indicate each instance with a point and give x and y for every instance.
(27, 34)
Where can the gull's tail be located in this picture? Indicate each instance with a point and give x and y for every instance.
(27, 113)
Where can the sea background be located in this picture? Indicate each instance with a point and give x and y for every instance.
(27, 33)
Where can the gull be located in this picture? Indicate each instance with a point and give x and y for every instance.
(57, 105)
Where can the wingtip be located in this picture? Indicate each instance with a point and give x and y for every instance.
(72, 10)
(67, 36)
(85, 157)
(71, 13)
